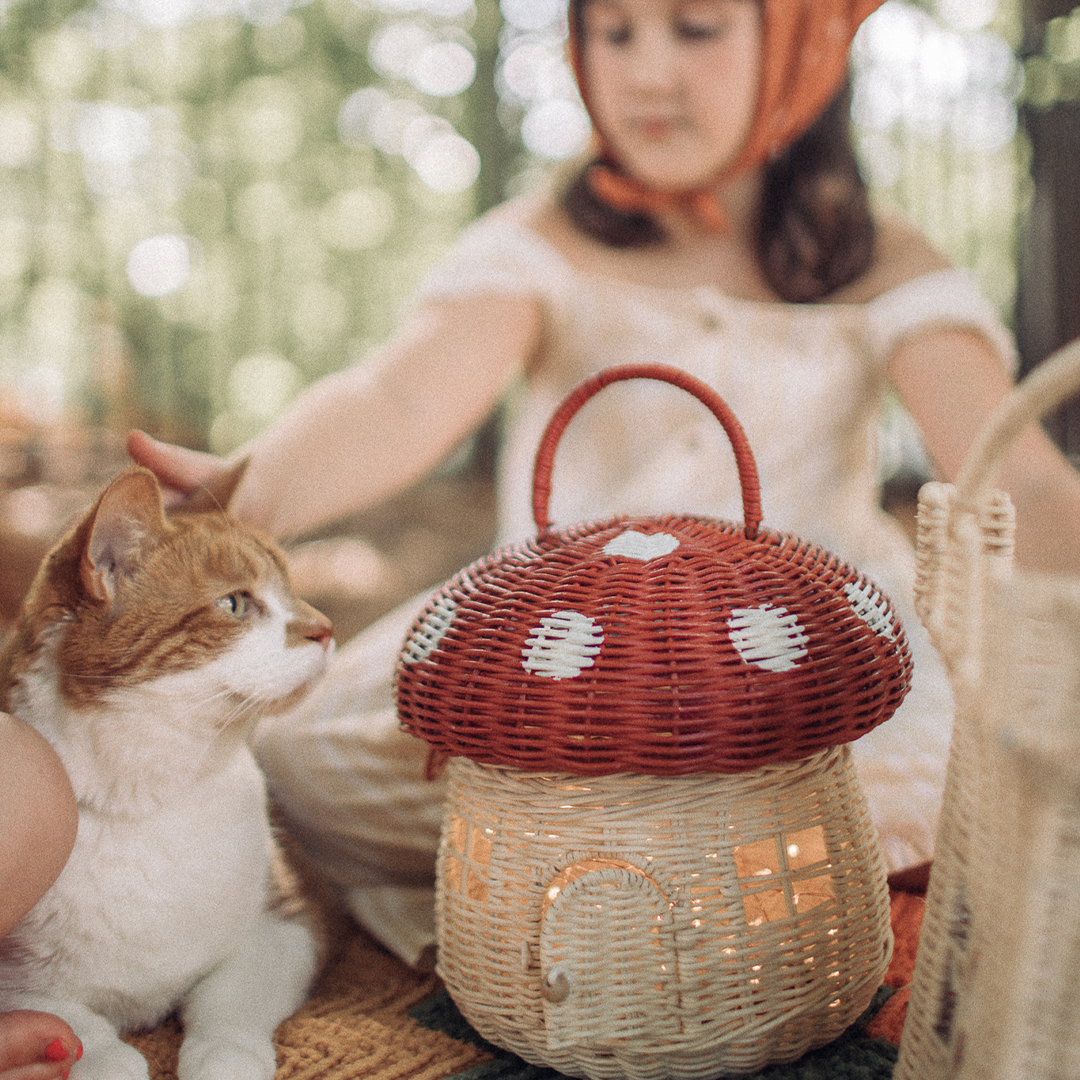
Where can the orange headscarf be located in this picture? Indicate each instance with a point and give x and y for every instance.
(805, 47)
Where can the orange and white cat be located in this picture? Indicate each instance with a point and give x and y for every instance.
(147, 647)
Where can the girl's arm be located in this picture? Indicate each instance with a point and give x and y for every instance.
(38, 819)
(363, 434)
(951, 381)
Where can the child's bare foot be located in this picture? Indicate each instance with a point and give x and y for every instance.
(36, 1046)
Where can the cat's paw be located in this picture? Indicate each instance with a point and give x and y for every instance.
(114, 1061)
(226, 1057)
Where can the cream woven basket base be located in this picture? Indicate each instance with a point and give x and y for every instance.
(994, 992)
(682, 928)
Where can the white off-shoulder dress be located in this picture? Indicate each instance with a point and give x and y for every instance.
(807, 383)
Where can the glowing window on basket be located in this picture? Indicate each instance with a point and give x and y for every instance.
(466, 858)
(785, 875)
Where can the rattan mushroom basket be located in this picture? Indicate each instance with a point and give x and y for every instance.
(656, 859)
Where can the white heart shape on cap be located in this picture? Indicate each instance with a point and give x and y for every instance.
(639, 545)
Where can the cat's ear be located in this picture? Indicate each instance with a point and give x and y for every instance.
(215, 494)
(126, 522)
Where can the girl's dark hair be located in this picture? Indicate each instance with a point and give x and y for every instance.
(815, 232)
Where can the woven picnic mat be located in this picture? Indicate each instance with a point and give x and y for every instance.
(373, 1017)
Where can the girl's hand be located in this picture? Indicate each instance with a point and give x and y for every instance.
(179, 470)
(36, 1046)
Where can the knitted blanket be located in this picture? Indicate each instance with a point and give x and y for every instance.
(372, 1017)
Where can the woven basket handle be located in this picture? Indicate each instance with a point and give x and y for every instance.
(744, 458)
(1051, 383)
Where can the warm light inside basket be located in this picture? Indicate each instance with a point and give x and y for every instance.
(680, 916)
(467, 858)
(784, 875)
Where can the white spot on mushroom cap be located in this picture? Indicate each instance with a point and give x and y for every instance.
(639, 545)
(871, 607)
(424, 640)
(562, 646)
(767, 637)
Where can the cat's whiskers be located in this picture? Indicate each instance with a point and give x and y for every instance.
(230, 721)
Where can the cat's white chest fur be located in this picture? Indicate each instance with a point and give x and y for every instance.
(149, 903)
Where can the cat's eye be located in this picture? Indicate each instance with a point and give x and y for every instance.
(237, 604)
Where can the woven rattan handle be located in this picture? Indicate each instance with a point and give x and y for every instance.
(744, 458)
(1051, 383)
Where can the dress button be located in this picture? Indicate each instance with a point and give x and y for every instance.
(711, 322)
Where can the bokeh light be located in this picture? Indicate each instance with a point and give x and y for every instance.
(358, 219)
(112, 133)
(444, 9)
(224, 179)
(395, 47)
(20, 136)
(532, 14)
(935, 111)
(215, 179)
(446, 162)
(443, 69)
(263, 384)
(159, 265)
(943, 84)
(443, 159)
(556, 129)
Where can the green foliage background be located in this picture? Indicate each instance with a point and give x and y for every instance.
(230, 129)
(304, 243)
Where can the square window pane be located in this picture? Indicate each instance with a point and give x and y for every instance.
(806, 848)
(765, 907)
(757, 860)
(811, 892)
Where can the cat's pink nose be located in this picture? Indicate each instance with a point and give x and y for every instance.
(316, 627)
(322, 632)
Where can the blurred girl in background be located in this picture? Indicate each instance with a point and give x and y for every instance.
(720, 224)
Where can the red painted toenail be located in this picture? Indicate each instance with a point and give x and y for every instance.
(56, 1051)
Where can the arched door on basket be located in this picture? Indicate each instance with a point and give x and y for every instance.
(607, 956)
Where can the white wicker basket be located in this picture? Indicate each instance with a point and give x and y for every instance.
(661, 927)
(994, 992)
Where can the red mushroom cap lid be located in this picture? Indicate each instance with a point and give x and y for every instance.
(661, 645)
